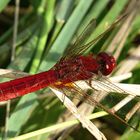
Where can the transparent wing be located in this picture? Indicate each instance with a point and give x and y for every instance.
(83, 36)
(93, 99)
(78, 49)
(104, 83)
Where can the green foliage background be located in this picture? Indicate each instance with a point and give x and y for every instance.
(44, 32)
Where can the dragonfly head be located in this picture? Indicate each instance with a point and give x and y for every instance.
(107, 63)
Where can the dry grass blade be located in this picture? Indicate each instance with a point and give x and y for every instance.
(132, 61)
(118, 41)
(3, 103)
(126, 30)
(13, 74)
(132, 111)
(121, 77)
(122, 103)
(85, 122)
(131, 89)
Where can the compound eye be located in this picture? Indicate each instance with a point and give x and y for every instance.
(107, 63)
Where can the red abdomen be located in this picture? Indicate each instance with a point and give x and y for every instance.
(22, 86)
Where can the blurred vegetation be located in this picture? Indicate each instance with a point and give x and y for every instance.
(45, 29)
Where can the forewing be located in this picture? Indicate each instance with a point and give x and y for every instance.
(78, 49)
(81, 39)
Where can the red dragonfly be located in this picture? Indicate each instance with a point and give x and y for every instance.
(71, 67)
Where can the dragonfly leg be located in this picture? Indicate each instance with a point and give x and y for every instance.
(89, 82)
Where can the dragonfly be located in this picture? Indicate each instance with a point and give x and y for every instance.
(72, 67)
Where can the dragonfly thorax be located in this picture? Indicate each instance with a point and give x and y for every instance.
(83, 67)
(79, 68)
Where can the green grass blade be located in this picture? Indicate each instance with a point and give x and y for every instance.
(3, 4)
(45, 26)
(67, 32)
